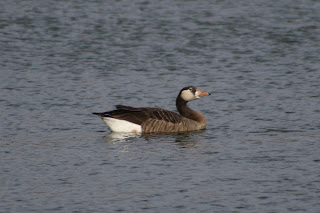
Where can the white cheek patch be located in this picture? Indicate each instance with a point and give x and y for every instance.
(197, 94)
(187, 95)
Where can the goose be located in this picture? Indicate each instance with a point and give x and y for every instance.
(157, 120)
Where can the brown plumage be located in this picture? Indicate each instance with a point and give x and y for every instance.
(159, 120)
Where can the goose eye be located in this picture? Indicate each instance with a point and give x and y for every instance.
(190, 89)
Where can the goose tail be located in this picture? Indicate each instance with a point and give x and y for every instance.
(101, 114)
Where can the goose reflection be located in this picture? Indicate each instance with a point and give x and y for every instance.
(118, 137)
(184, 139)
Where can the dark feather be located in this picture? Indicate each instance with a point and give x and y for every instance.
(141, 115)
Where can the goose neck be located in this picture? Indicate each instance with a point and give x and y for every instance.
(185, 111)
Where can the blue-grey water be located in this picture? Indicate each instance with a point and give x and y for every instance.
(62, 60)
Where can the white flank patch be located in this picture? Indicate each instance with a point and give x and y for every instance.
(121, 125)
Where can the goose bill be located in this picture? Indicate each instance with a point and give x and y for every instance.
(200, 94)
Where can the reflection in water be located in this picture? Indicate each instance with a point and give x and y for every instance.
(184, 139)
(190, 139)
(116, 137)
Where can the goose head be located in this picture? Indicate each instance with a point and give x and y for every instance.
(191, 93)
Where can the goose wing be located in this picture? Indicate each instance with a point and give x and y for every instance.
(142, 116)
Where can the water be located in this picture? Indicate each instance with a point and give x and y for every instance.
(60, 61)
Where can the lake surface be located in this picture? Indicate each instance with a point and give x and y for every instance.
(62, 60)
